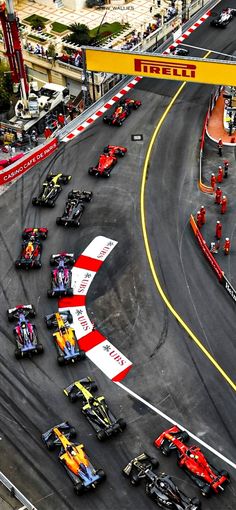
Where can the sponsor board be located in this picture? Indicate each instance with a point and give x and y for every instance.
(229, 288)
(28, 162)
(97, 347)
(158, 66)
(109, 359)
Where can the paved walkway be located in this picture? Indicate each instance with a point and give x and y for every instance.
(215, 128)
(137, 13)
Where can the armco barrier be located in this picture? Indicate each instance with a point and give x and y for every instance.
(215, 266)
(27, 162)
(16, 493)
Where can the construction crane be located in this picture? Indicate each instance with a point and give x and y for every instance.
(10, 27)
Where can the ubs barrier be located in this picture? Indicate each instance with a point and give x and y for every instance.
(27, 162)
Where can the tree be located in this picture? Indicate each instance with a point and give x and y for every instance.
(51, 50)
(80, 34)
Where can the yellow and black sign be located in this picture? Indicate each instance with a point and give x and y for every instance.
(195, 70)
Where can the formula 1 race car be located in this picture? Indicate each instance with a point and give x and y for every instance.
(224, 18)
(107, 160)
(51, 189)
(160, 488)
(25, 333)
(180, 51)
(61, 276)
(192, 460)
(73, 457)
(133, 104)
(74, 208)
(95, 409)
(31, 250)
(64, 337)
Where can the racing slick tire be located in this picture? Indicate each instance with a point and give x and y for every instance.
(50, 293)
(122, 154)
(73, 433)
(196, 502)
(101, 435)
(79, 488)
(82, 355)
(184, 436)
(40, 349)
(93, 386)
(119, 123)
(51, 203)
(224, 473)
(37, 264)
(72, 397)
(10, 317)
(32, 313)
(17, 264)
(154, 462)
(18, 354)
(165, 450)
(49, 323)
(58, 221)
(64, 179)
(122, 423)
(50, 444)
(101, 474)
(106, 174)
(206, 491)
(69, 292)
(34, 201)
(135, 480)
(60, 360)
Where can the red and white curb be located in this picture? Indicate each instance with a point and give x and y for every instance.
(130, 85)
(187, 33)
(97, 347)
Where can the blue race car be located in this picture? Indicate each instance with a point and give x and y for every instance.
(61, 276)
(25, 333)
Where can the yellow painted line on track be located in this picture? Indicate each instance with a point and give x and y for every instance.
(148, 250)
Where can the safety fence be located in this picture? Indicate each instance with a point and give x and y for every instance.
(16, 493)
(212, 102)
(211, 259)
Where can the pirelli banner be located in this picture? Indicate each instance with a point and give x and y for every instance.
(158, 66)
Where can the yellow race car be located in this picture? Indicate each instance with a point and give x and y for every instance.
(51, 189)
(64, 337)
(73, 457)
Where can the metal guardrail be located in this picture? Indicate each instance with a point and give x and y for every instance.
(16, 493)
(100, 102)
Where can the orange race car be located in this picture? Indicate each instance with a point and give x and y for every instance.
(64, 337)
(73, 457)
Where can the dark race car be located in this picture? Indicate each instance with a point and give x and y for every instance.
(192, 460)
(160, 488)
(64, 337)
(25, 333)
(132, 104)
(31, 250)
(180, 51)
(74, 208)
(51, 189)
(95, 409)
(224, 18)
(61, 276)
(73, 458)
(107, 160)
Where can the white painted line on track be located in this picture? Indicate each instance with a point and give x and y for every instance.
(207, 49)
(173, 422)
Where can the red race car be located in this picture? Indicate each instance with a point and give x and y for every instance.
(192, 460)
(31, 250)
(121, 112)
(131, 103)
(107, 160)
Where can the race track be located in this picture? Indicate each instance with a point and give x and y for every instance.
(169, 370)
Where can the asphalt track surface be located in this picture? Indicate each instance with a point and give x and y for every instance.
(169, 370)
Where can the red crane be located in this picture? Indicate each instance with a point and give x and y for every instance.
(10, 27)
